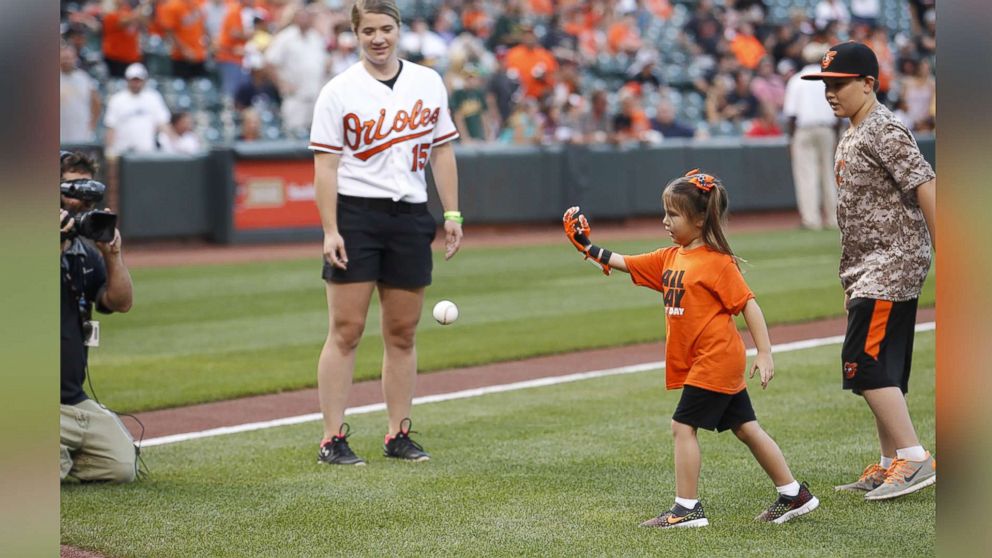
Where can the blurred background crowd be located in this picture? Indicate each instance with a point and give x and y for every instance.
(181, 75)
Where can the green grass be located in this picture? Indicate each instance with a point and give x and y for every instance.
(566, 470)
(204, 333)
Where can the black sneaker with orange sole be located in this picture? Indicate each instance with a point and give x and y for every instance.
(679, 516)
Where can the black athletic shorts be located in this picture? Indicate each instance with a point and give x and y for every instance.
(711, 410)
(387, 242)
(878, 347)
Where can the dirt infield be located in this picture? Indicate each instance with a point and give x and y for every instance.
(198, 252)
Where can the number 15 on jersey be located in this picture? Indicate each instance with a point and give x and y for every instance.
(420, 154)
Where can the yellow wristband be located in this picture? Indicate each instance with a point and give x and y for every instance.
(455, 216)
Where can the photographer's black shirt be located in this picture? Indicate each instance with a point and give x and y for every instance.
(84, 276)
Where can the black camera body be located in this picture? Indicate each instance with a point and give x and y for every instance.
(95, 224)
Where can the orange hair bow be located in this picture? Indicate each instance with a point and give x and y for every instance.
(703, 181)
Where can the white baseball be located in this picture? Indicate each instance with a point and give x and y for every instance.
(445, 312)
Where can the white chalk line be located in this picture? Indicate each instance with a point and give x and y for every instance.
(476, 392)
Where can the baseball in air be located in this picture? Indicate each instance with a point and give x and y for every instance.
(445, 312)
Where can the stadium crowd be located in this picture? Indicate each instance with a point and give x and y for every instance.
(518, 71)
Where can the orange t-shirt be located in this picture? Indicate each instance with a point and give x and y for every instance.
(229, 47)
(662, 9)
(618, 36)
(542, 7)
(525, 60)
(185, 20)
(702, 291)
(748, 50)
(120, 42)
(473, 19)
(886, 63)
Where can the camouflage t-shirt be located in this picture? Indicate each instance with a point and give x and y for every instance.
(886, 245)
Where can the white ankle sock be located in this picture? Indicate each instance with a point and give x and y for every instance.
(915, 453)
(790, 490)
(686, 502)
(885, 462)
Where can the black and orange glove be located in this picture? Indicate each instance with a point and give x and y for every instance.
(578, 232)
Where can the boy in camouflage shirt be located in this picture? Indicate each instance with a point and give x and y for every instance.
(886, 213)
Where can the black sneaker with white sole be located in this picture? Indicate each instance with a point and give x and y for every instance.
(336, 450)
(790, 507)
(401, 446)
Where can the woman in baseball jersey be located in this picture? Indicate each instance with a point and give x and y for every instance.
(375, 127)
(886, 213)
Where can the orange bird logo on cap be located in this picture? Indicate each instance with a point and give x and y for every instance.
(828, 58)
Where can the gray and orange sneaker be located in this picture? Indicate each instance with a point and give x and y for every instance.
(790, 507)
(679, 516)
(871, 478)
(905, 477)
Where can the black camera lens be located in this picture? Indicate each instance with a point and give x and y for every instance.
(96, 225)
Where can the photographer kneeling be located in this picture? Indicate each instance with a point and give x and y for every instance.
(94, 444)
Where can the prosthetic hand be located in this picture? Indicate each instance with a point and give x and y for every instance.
(577, 230)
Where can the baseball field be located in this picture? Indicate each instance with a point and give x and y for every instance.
(568, 468)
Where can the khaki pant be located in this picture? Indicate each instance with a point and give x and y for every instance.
(813, 173)
(94, 444)
(297, 113)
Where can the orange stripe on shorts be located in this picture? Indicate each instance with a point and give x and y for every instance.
(876, 331)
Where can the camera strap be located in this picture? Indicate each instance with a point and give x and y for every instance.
(85, 310)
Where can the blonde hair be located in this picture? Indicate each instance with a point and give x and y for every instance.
(385, 7)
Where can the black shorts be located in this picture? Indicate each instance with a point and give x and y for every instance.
(878, 347)
(711, 410)
(116, 68)
(387, 242)
(185, 69)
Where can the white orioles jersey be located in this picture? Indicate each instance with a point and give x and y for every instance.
(384, 136)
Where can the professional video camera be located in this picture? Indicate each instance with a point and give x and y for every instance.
(95, 224)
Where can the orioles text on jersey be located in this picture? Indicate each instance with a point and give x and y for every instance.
(358, 133)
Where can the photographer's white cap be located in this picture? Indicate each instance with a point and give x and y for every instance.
(136, 71)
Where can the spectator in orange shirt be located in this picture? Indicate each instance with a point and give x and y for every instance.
(121, 33)
(542, 8)
(661, 9)
(474, 17)
(623, 36)
(183, 23)
(631, 123)
(702, 288)
(534, 63)
(878, 41)
(746, 47)
(231, 44)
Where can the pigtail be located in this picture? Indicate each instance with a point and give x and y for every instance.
(701, 194)
(716, 214)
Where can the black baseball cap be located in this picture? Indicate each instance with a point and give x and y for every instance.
(850, 59)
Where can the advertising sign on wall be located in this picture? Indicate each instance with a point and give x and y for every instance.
(274, 194)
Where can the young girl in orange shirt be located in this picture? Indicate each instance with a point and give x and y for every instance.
(703, 289)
